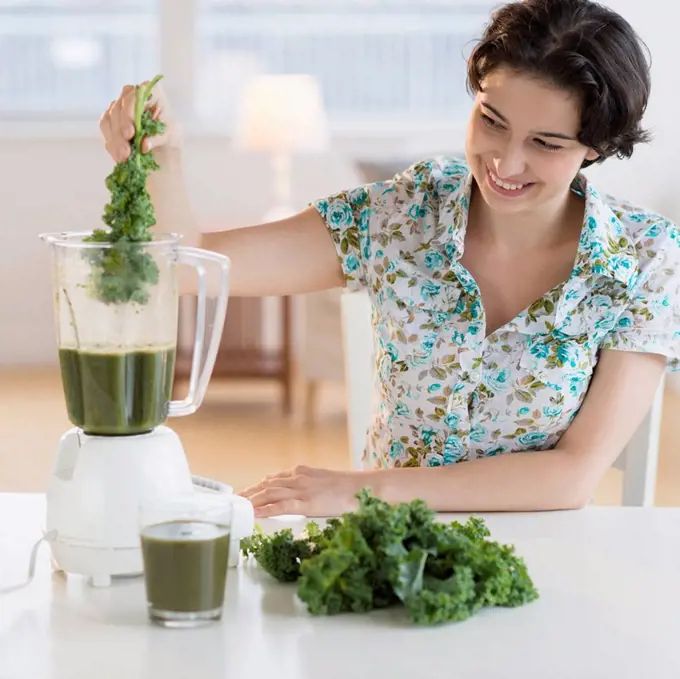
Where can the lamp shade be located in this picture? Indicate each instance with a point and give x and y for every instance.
(282, 114)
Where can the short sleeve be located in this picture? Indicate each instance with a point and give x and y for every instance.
(366, 221)
(650, 322)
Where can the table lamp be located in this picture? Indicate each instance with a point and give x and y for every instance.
(282, 115)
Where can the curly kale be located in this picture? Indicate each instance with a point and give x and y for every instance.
(383, 555)
(281, 554)
(123, 272)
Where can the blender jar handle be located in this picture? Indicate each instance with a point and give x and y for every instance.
(198, 381)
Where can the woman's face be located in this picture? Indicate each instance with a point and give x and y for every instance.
(521, 142)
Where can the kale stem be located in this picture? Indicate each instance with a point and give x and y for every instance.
(141, 96)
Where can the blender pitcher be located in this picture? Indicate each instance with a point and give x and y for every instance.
(116, 308)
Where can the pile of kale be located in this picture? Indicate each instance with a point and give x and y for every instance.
(383, 555)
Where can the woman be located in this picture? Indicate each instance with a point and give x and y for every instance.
(516, 308)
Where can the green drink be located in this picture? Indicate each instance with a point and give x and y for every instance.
(117, 394)
(185, 570)
(185, 544)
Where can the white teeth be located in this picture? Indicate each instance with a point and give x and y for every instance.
(505, 185)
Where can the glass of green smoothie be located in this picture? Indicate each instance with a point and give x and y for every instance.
(185, 550)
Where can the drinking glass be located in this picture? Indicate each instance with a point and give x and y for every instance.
(185, 549)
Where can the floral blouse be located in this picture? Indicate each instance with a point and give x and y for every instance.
(444, 391)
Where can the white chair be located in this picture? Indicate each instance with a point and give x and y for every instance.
(638, 461)
(357, 339)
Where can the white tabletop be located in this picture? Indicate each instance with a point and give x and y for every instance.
(609, 580)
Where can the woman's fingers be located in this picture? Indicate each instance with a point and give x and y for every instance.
(282, 479)
(117, 123)
(290, 506)
(272, 495)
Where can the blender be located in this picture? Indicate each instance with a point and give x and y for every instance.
(116, 309)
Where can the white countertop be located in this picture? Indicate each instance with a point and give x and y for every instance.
(609, 580)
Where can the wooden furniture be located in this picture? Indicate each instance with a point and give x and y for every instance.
(638, 461)
(608, 609)
(243, 352)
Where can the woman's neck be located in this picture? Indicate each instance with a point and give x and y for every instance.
(555, 224)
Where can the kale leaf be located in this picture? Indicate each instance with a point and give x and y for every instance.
(383, 555)
(122, 273)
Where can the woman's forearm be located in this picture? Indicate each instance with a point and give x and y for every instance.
(532, 481)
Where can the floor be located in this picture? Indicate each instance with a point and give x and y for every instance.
(239, 435)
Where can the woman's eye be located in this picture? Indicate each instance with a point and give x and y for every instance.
(547, 146)
(489, 121)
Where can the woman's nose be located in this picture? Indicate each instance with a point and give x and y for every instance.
(510, 163)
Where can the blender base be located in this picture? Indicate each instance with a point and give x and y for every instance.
(95, 492)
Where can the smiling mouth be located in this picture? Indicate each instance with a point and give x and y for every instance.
(507, 188)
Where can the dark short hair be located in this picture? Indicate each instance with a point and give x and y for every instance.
(580, 46)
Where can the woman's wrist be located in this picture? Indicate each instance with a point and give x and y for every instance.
(383, 483)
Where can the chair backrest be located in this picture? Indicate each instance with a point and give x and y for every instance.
(357, 330)
(638, 461)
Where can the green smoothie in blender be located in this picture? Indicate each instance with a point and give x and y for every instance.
(117, 393)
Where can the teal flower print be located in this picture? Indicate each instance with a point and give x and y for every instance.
(466, 279)
(439, 317)
(496, 450)
(358, 196)
(497, 380)
(622, 263)
(434, 387)
(433, 260)
(625, 320)
(478, 433)
(427, 435)
(429, 290)
(364, 219)
(601, 301)
(567, 355)
(352, 263)
(402, 409)
(454, 449)
(523, 411)
(385, 368)
(435, 460)
(540, 350)
(576, 381)
(396, 449)
(418, 211)
(551, 411)
(428, 342)
(660, 304)
(339, 215)
(532, 438)
(452, 421)
(392, 351)
(606, 322)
